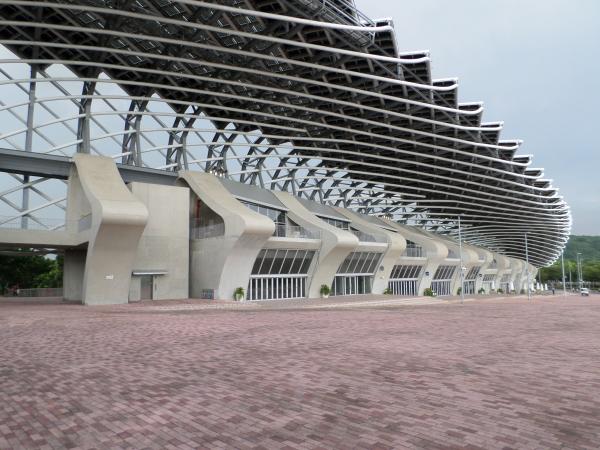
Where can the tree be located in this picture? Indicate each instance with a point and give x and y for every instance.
(30, 271)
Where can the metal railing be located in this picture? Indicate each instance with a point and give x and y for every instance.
(32, 223)
(362, 236)
(414, 252)
(85, 222)
(198, 231)
(452, 254)
(441, 287)
(295, 231)
(37, 292)
(276, 287)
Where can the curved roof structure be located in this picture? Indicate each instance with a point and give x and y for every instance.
(308, 96)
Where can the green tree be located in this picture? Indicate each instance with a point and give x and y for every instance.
(29, 271)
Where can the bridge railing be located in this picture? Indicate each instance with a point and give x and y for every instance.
(44, 223)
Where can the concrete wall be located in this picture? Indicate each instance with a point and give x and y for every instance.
(164, 245)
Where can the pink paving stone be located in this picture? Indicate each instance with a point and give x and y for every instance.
(489, 374)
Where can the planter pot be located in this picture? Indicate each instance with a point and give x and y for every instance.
(325, 295)
(240, 298)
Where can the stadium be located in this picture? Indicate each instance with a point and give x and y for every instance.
(175, 149)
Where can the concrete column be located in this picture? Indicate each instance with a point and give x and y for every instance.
(488, 257)
(470, 259)
(503, 269)
(73, 273)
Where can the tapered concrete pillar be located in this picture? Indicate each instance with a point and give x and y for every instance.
(73, 273)
(434, 249)
(336, 243)
(485, 258)
(224, 262)
(98, 199)
(396, 244)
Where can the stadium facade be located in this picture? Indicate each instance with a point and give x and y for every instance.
(188, 148)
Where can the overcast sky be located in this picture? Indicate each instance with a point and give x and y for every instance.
(535, 64)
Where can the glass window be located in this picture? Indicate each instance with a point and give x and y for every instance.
(297, 264)
(258, 262)
(344, 266)
(307, 260)
(265, 269)
(289, 259)
(373, 263)
(278, 261)
(363, 264)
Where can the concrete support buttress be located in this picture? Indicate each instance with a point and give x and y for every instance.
(488, 258)
(434, 249)
(396, 244)
(117, 223)
(470, 258)
(225, 262)
(336, 243)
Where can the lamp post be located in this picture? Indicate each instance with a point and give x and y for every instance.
(562, 263)
(462, 274)
(579, 273)
(527, 262)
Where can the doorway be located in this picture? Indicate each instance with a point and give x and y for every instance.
(146, 287)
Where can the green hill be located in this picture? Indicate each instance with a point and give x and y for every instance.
(588, 246)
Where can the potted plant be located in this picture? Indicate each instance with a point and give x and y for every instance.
(387, 291)
(325, 291)
(481, 291)
(500, 291)
(428, 292)
(239, 294)
(459, 291)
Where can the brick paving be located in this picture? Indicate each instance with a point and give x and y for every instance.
(489, 374)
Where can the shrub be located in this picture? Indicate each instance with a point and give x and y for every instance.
(239, 292)
(388, 291)
(481, 291)
(459, 291)
(429, 292)
(500, 291)
(325, 289)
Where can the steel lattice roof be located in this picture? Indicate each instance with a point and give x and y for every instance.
(311, 84)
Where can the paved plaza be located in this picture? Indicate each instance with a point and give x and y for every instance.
(489, 374)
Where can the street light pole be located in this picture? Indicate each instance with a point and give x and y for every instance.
(579, 273)
(562, 263)
(527, 262)
(462, 274)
